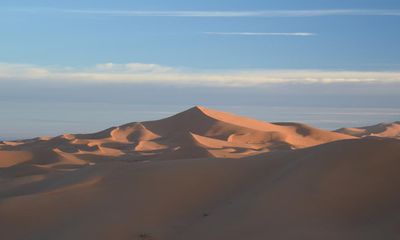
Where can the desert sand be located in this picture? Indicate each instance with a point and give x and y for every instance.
(202, 174)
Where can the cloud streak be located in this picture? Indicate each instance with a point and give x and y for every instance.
(135, 73)
(292, 34)
(219, 14)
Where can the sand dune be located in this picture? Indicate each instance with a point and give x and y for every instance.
(197, 132)
(201, 174)
(391, 130)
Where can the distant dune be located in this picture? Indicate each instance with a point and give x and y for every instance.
(202, 174)
(391, 130)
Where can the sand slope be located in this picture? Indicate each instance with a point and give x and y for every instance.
(391, 130)
(342, 190)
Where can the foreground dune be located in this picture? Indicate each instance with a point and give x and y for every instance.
(342, 190)
(201, 174)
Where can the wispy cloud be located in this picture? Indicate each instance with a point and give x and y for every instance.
(153, 73)
(295, 34)
(265, 13)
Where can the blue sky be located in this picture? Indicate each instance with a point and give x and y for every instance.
(50, 33)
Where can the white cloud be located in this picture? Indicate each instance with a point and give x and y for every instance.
(153, 73)
(133, 67)
(265, 13)
(300, 34)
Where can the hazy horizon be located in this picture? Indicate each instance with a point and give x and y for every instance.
(52, 119)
